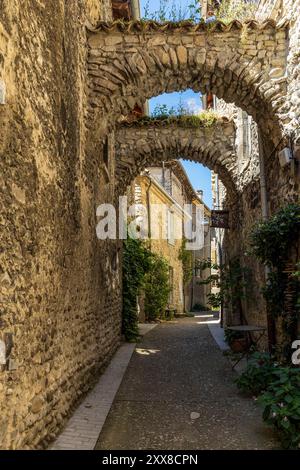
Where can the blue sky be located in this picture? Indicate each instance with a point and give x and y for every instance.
(199, 175)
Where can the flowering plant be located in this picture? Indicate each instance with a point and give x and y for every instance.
(282, 405)
(258, 375)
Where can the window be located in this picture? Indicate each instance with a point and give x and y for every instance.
(106, 153)
(106, 160)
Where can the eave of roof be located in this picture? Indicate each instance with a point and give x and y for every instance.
(185, 26)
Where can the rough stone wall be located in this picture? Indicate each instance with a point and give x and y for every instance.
(289, 10)
(60, 302)
(282, 184)
(251, 71)
(161, 141)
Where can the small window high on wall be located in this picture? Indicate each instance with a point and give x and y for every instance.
(106, 153)
(121, 9)
(106, 159)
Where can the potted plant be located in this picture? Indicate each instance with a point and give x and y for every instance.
(235, 340)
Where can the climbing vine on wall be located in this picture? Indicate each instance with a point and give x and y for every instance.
(143, 272)
(156, 288)
(233, 281)
(230, 10)
(186, 257)
(136, 263)
(273, 242)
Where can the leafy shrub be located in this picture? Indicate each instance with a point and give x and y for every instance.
(182, 116)
(156, 288)
(143, 271)
(258, 375)
(282, 405)
(271, 240)
(136, 263)
(233, 281)
(230, 10)
(214, 300)
(279, 390)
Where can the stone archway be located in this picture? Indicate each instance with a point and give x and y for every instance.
(241, 63)
(149, 142)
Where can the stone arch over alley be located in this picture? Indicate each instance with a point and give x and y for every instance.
(241, 63)
(149, 142)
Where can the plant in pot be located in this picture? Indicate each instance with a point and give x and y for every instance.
(235, 340)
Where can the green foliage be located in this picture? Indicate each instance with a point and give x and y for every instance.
(156, 288)
(233, 281)
(174, 12)
(147, 272)
(214, 300)
(271, 240)
(258, 374)
(137, 261)
(181, 116)
(297, 273)
(282, 405)
(273, 292)
(278, 391)
(186, 257)
(296, 276)
(230, 10)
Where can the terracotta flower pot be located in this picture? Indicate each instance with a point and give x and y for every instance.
(238, 345)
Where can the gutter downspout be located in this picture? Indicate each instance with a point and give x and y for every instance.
(265, 214)
(262, 176)
(136, 10)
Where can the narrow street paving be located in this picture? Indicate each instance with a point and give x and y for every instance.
(178, 393)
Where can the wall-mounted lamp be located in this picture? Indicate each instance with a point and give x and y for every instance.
(285, 157)
(2, 353)
(2, 92)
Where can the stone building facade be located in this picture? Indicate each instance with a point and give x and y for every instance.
(282, 184)
(151, 193)
(165, 191)
(67, 75)
(60, 288)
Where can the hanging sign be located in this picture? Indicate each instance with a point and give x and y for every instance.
(220, 219)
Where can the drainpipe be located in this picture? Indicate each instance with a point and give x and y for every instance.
(149, 210)
(136, 11)
(262, 173)
(204, 9)
(265, 214)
